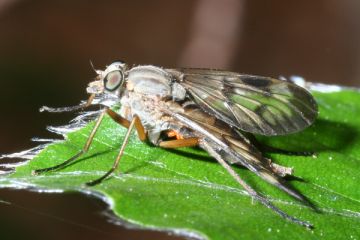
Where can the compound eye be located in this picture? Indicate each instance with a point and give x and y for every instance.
(113, 80)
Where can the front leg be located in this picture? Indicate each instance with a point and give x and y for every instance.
(129, 125)
(117, 118)
(124, 122)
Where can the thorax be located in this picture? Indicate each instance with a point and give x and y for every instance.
(148, 92)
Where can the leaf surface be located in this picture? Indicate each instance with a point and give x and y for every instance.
(187, 192)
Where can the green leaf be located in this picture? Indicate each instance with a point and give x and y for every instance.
(186, 191)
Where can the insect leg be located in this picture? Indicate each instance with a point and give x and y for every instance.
(249, 189)
(124, 122)
(82, 151)
(187, 142)
(69, 109)
(117, 160)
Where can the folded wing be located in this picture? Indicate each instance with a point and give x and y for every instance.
(254, 104)
(234, 148)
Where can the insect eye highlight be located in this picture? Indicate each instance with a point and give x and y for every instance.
(113, 80)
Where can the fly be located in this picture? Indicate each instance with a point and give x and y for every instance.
(212, 109)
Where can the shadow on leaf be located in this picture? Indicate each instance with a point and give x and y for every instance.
(83, 158)
(323, 135)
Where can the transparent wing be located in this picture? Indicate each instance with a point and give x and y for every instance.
(255, 104)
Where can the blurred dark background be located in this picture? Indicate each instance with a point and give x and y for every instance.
(45, 48)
